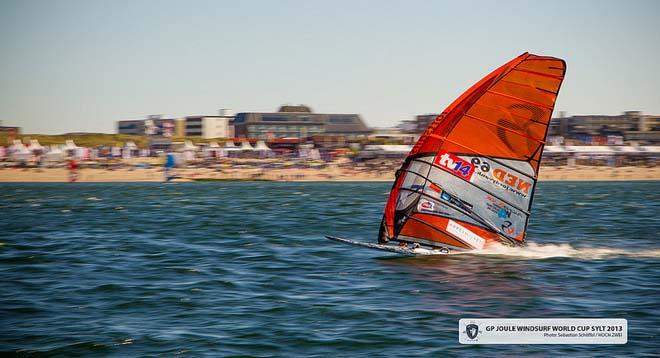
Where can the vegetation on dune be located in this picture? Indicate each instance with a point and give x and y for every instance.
(98, 139)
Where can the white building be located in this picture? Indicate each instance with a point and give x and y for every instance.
(210, 126)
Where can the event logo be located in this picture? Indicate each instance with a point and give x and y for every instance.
(472, 330)
(461, 168)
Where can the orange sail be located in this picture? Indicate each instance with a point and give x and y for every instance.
(470, 178)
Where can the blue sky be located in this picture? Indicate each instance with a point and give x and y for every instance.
(82, 65)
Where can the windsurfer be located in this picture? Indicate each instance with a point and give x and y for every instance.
(486, 144)
(405, 245)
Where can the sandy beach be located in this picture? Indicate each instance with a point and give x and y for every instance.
(332, 173)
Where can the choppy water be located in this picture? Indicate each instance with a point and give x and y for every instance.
(243, 269)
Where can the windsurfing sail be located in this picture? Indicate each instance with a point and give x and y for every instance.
(470, 178)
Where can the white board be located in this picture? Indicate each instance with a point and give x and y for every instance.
(390, 248)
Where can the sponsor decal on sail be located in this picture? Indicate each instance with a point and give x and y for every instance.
(512, 181)
(501, 209)
(508, 227)
(505, 180)
(435, 188)
(426, 206)
(460, 167)
(456, 201)
(465, 234)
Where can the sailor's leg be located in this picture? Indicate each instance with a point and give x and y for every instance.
(382, 233)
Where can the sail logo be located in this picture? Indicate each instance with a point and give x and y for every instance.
(511, 180)
(454, 164)
(504, 213)
(508, 228)
(502, 210)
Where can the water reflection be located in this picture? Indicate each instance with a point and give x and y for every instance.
(465, 285)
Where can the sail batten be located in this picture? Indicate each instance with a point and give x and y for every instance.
(547, 106)
(505, 128)
(472, 174)
(537, 73)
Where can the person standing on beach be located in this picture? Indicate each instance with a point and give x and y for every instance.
(73, 170)
(170, 162)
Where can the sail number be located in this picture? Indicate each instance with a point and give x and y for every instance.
(463, 169)
(484, 165)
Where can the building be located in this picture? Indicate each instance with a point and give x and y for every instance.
(210, 126)
(160, 144)
(423, 121)
(408, 126)
(649, 123)
(180, 127)
(9, 129)
(298, 122)
(391, 135)
(131, 127)
(631, 125)
(152, 125)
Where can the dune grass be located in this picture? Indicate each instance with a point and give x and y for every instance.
(98, 139)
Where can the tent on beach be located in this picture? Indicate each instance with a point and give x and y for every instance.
(262, 149)
(245, 146)
(188, 150)
(230, 147)
(70, 145)
(72, 150)
(214, 150)
(18, 152)
(130, 150)
(54, 154)
(261, 146)
(35, 147)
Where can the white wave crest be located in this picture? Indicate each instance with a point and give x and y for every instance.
(544, 251)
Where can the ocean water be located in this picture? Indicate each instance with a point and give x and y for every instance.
(237, 268)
